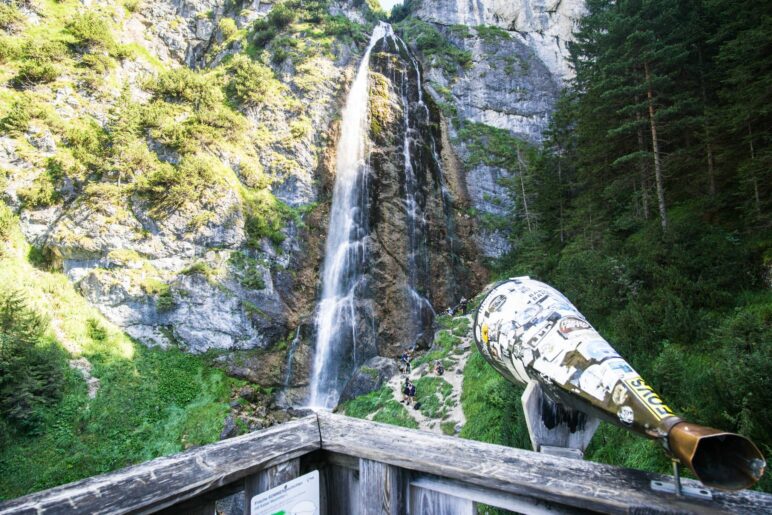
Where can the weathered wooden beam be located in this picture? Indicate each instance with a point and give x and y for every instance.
(163, 482)
(382, 488)
(527, 474)
(267, 479)
(510, 502)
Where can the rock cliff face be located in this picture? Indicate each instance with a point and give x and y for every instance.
(420, 246)
(192, 276)
(544, 25)
(492, 78)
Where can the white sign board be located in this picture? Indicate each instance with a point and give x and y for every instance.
(297, 497)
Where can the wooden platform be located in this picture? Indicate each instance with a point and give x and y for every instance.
(371, 468)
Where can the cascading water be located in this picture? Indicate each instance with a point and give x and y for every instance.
(417, 251)
(336, 322)
(390, 249)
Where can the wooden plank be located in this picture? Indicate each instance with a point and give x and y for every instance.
(382, 489)
(432, 502)
(339, 490)
(515, 503)
(163, 482)
(210, 496)
(203, 509)
(527, 474)
(267, 479)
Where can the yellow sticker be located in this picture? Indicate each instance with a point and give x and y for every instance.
(485, 333)
(649, 398)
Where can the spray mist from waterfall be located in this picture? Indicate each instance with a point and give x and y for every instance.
(345, 252)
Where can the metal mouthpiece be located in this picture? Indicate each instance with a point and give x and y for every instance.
(719, 459)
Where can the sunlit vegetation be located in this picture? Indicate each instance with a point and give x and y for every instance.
(380, 406)
(435, 48)
(151, 402)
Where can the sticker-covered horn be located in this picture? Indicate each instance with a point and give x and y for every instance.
(531, 333)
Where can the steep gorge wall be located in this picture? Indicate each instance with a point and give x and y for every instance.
(422, 253)
(493, 65)
(193, 275)
(546, 26)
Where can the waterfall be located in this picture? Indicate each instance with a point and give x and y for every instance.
(344, 259)
(417, 251)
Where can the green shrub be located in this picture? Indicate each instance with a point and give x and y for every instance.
(41, 193)
(251, 275)
(265, 217)
(263, 35)
(227, 27)
(382, 406)
(251, 81)
(186, 85)
(91, 31)
(10, 17)
(491, 33)
(7, 223)
(433, 393)
(31, 368)
(96, 331)
(252, 175)
(281, 16)
(434, 46)
(171, 188)
(44, 50)
(99, 63)
(31, 73)
(132, 5)
(10, 48)
(267, 28)
(17, 120)
(164, 301)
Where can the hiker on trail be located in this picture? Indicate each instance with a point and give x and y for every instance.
(406, 398)
(405, 359)
(462, 305)
(404, 362)
(410, 393)
(438, 368)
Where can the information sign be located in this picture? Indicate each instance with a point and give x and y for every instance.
(297, 497)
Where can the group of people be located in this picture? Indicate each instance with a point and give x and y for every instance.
(458, 308)
(405, 360)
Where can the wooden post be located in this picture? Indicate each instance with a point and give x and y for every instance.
(267, 479)
(206, 508)
(382, 488)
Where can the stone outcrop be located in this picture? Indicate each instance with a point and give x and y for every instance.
(190, 277)
(421, 257)
(369, 377)
(504, 85)
(546, 26)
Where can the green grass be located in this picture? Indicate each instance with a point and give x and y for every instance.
(491, 406)
(382, 406)
(433, 393)
(151, 402)
(444, 342)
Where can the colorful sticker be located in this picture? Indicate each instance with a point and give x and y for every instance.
(649, 398)
(571, 324)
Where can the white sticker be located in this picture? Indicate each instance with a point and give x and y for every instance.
(297, 497)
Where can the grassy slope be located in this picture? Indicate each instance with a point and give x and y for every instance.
(151, 402)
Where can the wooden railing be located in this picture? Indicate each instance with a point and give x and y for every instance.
(371, 468)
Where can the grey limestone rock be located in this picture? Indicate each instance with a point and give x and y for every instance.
(369, 377)
(546, 26)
